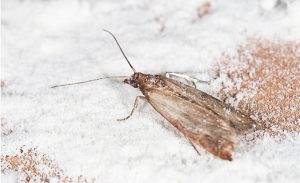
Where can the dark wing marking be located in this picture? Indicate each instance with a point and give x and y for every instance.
(202, 126)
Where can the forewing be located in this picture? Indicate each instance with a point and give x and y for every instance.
(241, 123)
(202, 126)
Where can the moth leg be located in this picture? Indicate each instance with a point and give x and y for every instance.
(191, 81)
(194, 147)
(134, 107)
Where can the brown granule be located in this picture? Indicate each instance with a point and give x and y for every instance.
(263, 81)
(204, 9)
(36, 167)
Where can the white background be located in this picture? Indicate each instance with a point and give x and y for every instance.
(53, 42)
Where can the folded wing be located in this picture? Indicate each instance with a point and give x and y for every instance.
(201, 125)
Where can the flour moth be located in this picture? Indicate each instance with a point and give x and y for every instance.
(204, 120)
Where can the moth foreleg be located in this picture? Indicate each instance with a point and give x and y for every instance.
(190, 80)
(134, 107)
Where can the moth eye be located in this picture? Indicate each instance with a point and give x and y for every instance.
(134, 83)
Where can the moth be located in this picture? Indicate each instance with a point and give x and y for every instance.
(204, 120)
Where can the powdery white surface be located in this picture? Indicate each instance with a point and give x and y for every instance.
(53, 42)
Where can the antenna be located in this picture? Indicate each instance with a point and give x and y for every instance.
(120, 49)
(91, 80)
(87, 81)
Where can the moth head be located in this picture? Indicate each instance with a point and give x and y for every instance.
(133, 80)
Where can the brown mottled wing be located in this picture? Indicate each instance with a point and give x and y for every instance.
(201, 125)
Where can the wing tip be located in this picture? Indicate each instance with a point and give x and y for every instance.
(225, 155)
(226, 151)
(223, 150)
